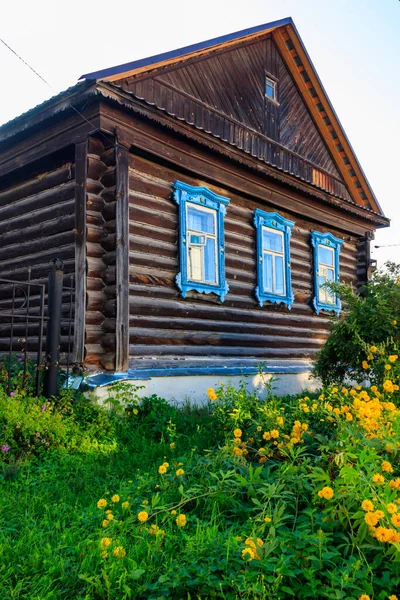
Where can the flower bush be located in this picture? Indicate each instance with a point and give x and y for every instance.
(371, 317)
(252, 497)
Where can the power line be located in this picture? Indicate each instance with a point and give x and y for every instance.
(387, 246)
(54, 90)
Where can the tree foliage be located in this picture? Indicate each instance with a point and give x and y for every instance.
(371, 316)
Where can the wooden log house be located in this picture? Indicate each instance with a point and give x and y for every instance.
(201, 197)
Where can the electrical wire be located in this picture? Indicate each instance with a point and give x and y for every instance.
(109, 140)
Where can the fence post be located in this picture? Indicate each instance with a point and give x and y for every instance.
(53, 330)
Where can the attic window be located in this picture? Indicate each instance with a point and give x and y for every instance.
(270, 89)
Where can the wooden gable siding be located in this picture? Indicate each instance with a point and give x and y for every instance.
(163, 325)
(37, 220)
(224, 96)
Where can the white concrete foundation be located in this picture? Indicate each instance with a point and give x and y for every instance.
(193, 388)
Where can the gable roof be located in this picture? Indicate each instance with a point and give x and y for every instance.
(292, 49)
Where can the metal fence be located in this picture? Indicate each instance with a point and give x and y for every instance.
(36, 330)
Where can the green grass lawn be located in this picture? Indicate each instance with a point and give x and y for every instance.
(243, 499)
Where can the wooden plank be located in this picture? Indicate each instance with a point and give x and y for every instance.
(122, 257)
(81, 150)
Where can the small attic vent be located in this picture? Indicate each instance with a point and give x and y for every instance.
(270, 89)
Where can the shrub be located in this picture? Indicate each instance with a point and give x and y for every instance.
(371, 317)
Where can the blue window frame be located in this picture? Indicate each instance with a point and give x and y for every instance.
(273, 258)
(201, 240)
(326, 269)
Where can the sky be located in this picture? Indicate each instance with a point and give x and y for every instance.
(354, 45)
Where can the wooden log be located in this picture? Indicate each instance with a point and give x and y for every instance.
(122, 258)
(81, 161)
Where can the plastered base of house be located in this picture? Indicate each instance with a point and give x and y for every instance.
(193, 388)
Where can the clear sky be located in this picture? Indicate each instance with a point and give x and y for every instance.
(354, 45)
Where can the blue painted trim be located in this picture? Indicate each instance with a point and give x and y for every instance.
(274, 221)
(153, 60)
(104, 379)
(330, 241)
(202, 196)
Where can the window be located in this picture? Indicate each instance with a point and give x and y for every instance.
(270, 88)
(201, 240)
(326, 269)
(273, 258)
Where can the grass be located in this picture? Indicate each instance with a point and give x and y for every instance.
(244, 499)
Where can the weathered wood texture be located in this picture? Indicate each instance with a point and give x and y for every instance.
(122, 257)
(224, 95)
(162, 324)
(37, 220)
(100, 254)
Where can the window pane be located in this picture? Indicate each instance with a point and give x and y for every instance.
(267, 273)
(200, 220)
(209, 261)
(325, 255)
(279, 276)
(195, 262)
(272, 241)
(321, 291)
(270, 89)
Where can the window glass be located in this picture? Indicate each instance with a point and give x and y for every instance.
(267, 273)
(209, 259)
(325, 255)
(200, 220)
(272, 241)
(195, 260)
(279, 276)
(270, 88)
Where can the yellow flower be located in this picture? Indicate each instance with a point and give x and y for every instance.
(326, 492)
(237, 451)
(237, 433)
(364, 597)
(373, 348)
(249, 553)
(371, 519)
(274, 433)
(266, 435)
(378, 478)
(394, 322)
(267, 519)
(391, 508)
(393, 597)
(388, 386)
(143, 516)
(279, 420)
(349, 416)
(172, 445)
(367, 505)
(115, 498)
(379, 514)
(365, 365)
(105, 542)
(102, 503)
(125, 505)
(173, 512)
(181, 520)
(392, 358)
(388, 367)
(104, 523)
(211, 394)
(387, 467)
(110, 517)
(119, 552)
(162, 469)
(395, 520)
(180, 472)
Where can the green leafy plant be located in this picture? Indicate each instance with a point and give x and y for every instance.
(371, 317)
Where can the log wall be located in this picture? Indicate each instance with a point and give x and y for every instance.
(100, 256)
(165, 326)
(37, 219)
